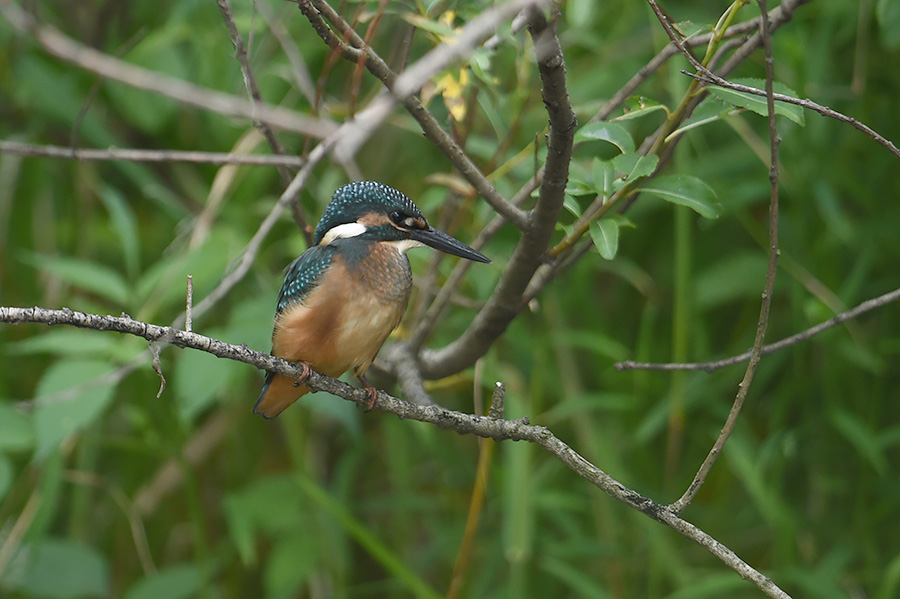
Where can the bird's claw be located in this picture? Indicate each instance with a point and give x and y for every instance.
(307, 370)
(372, 391)
(373, 395)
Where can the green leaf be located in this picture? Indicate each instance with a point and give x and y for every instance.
(16, 429)
(605, 131)
(156, 51)
(633, 166)
(180, 581)
(689, 28)
(74, 342)
(637, 106)
(685, 190)
(604, 175)
(888, 15)
(6, 475)
(735, 276)
(571, 204)
(861, 437)
(605, 233)
(88, 276)
(70, 396)
(425, 24)
(62, 569)
(711, 109)
(758, 104)
(289, 564)
(199, 377)
(126, 227)
(250, 510)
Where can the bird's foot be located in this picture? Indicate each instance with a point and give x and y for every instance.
(372, 391)
(307, 370)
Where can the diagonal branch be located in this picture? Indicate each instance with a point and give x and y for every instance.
(481, 426)
(762, 323)
(707, 76)
(866, 306)
(262, 125)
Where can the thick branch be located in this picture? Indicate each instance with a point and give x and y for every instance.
(506, 301)
(481, 426)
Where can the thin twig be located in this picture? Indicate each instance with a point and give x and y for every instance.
(316, 11)
(300, 71)
(711, 78)
(763, 322)
(139, 155)
(189, 305)
(135, 523)
(262, 125)
(69, 50)
(462, 423)
(862, 308)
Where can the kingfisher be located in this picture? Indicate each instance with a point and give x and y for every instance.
(342, 297)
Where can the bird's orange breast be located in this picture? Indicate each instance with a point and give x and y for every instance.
(343, 322)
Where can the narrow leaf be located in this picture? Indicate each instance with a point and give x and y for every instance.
(180, 581)
(758, 104)
(637, 106)
(604, 176)
(125, 223)
(89, 276)
(605, 234)
(611, 132)
(16, 429)
(70, 396)
(633, 166)
(64, 569)
(685, 190)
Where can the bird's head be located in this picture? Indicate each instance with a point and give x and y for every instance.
(376, 212)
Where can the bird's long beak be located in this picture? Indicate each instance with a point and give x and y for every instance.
(443, 242)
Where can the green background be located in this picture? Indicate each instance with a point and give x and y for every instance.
(113, 492)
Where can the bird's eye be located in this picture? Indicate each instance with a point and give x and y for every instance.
(397, 217)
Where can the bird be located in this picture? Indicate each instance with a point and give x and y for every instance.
(343, 296)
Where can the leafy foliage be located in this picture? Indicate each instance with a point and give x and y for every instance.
(97, 474)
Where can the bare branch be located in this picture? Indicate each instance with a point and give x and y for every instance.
(763, 322)
(262, 125)
(481, 426)
(862, 308)
(711, 78)
(138, 155)
(314, 11)
(69, 50)
(298, 67)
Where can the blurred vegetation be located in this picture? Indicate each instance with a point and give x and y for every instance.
(113, 492)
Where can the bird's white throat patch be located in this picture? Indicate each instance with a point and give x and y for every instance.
(404, 245)
(343, 231)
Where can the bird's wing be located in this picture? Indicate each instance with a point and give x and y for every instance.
(303, 275)
(300, 278)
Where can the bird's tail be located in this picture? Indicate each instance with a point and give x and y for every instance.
(277, 394)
